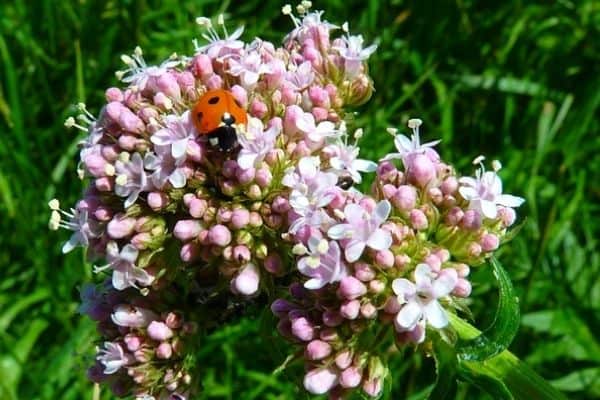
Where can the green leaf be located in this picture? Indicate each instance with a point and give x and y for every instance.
(500, 334)
(446, 366)
(587, 380)
(490, 384)
(522, 382)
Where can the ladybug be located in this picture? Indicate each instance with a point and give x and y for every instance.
(216, 115)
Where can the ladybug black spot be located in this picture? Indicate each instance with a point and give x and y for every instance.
(213, 100)
(199, 116)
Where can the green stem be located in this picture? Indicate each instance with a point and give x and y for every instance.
(521, 380)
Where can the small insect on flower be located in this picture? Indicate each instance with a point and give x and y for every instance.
(218, 115)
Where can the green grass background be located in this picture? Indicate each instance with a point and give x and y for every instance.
(514, 80)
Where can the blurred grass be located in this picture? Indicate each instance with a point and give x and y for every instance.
(517, 80)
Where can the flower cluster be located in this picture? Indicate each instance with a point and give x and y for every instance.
(186, 230)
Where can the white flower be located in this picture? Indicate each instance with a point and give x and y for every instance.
(139, 72)
(354, 54)
(362, 229)
(217, 46)
(484, 193)
(419, 300)
(125, 272)
(249, 68)
(77, 221)
(256, 143)
(409, 147)
(345, 161)
(113, 357)
(178, 130)
(322, 263)
(131, 179)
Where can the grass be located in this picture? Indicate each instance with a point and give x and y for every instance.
(518, 81)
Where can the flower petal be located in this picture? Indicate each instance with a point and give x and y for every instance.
(409, 315)
(509, 200)
(403, 287)
(435, 314)
(354, 250)
(380, 240)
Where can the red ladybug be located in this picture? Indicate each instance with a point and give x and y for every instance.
(216, 114)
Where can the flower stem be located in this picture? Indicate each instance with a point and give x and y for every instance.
(520, 379)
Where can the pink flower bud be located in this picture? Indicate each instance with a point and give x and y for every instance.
(131, 122)
(157, 200)
(317, 350)
(214, 82)
(507, 215)
(449, 185)
(303, 329)
(195, 151)
(241, 254)
(343, 359)
(247, 282)
(454, 216)
(373, 387)
(368, 204)
(189, 252)
(164, 351)
(389, 190)
(187, 229)
(159, 331)
(418, 220)
(273, 264)
(230, 168)
(392, 306)
(320, 381)
(127, 142)
(223, 215)
(462, 288)
(197, 207)
(96, 165)
(174, 320)
(385, 258)
(462, 270)
(288, 96)
(368, 311)
(434, 262)
(350, 309)
(142, 240)
(255, 219)
(435, 194)
(350, 377)
(363, 271)
(113, 94)
(263, 177)
(320, 114)
(120, 226)
(280, 205)
(240, 218)
(133, 342)
(351, 288)
(202, 66)
(110, 152)
(401, 260)
(254, 192)
(471, 220)
(376, 286)
(420, 169)
(281, 307)
(489, 242)
(240, 94)
(386, 171)
(258, 109)
(245, 176)
(167, 83)
(405, 198)
(474, 249)
(318, 96)
(219, 235)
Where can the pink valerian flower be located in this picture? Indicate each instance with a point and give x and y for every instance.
(320, 380)
(322, 262)
(313, 132)
(131, 316)
(125, 272)
(178, 131)
(351, 50)
(344, 161)
(249, 67)
(138, 72)
(165, 167)
(256, 142)
(484, 193)
(419, 300)
(300, 77)
(362, 229)
(131, 179)
(311, 191)
(113, 357)
(219, 47)
(77, 221)
(409, 148)
(310, 27)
